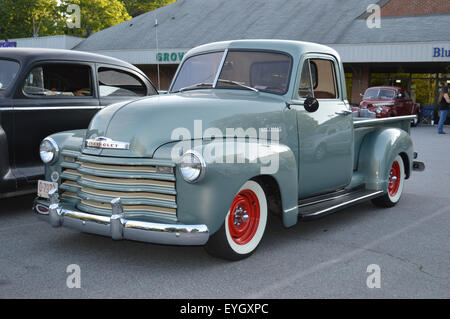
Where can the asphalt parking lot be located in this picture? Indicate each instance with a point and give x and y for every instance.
(327, 258)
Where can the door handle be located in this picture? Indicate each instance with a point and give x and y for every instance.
(345, 113)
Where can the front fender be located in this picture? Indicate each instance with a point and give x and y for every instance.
(229, 165)
(378, 151)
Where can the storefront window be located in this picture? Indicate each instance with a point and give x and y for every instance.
(348, 84)
(377, 79)
(421, 86)
(399, 79)
(444, 79)
(423, 76)
(423, 90)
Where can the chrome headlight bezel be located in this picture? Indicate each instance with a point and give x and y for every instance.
(48, 151)
(192, 166)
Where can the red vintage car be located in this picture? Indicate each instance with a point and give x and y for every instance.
(387, 101)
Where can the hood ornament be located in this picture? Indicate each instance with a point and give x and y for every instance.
(104, 142)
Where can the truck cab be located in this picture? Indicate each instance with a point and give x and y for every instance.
(247, 127)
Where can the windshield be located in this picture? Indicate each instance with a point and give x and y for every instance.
(8, 71)
(379, 94)
(198, 69)
(244, 70)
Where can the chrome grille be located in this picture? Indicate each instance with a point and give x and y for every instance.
(91, 182)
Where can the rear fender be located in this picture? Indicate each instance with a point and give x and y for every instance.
(378, 151)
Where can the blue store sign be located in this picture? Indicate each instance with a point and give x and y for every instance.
(8, 44)
(441, 53)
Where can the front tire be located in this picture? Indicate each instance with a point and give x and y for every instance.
(395, 187)
(244, 225)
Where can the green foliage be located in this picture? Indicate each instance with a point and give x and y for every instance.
(25, 18)
(96, 15)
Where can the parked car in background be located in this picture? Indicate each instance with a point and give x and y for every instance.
(43, 91)
(388, 101)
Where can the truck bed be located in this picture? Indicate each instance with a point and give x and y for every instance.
(363, 126)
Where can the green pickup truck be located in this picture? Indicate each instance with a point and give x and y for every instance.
(247, 127)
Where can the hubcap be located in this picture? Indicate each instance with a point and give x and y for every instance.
(394, 179)
(244, 217)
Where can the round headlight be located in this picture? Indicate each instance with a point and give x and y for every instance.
(192, 166)
(49, 151)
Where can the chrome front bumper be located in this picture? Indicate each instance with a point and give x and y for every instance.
(118, 227)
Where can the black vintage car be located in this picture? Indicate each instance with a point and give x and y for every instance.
(44, 91)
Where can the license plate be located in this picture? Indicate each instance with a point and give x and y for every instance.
(45, 187)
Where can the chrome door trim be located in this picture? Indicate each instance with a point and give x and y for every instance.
(49, 108)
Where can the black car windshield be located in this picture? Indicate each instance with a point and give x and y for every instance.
(379, 94)
(243, 70)
(8, 72)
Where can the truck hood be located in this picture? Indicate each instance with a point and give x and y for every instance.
(148, 123)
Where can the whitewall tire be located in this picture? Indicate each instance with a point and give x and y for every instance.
(244, 224)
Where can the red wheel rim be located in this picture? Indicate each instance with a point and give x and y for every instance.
(243, 220)
(394, 179)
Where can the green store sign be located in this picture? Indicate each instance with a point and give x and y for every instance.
(170, 57)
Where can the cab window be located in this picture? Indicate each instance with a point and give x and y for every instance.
(58, 80)
(305, 88)
(318, 80)
(114, 82)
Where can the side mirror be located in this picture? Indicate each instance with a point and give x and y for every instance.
(311, 104)
(361, 95)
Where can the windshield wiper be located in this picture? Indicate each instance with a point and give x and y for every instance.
(194, 86)
(238, 84)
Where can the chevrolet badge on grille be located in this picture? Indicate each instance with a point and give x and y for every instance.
(104, 142)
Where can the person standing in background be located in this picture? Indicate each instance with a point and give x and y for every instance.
(444, 103)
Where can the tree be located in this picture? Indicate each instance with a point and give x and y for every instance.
(26, 18)
(137, 7)
(96, 15)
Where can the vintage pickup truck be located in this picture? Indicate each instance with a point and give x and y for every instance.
(247, 127)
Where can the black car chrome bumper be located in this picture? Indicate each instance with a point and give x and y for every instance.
(118, 227)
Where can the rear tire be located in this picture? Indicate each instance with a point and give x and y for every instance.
(244, 225)
(395, 186)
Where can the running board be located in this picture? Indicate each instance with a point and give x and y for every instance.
(323, 207)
